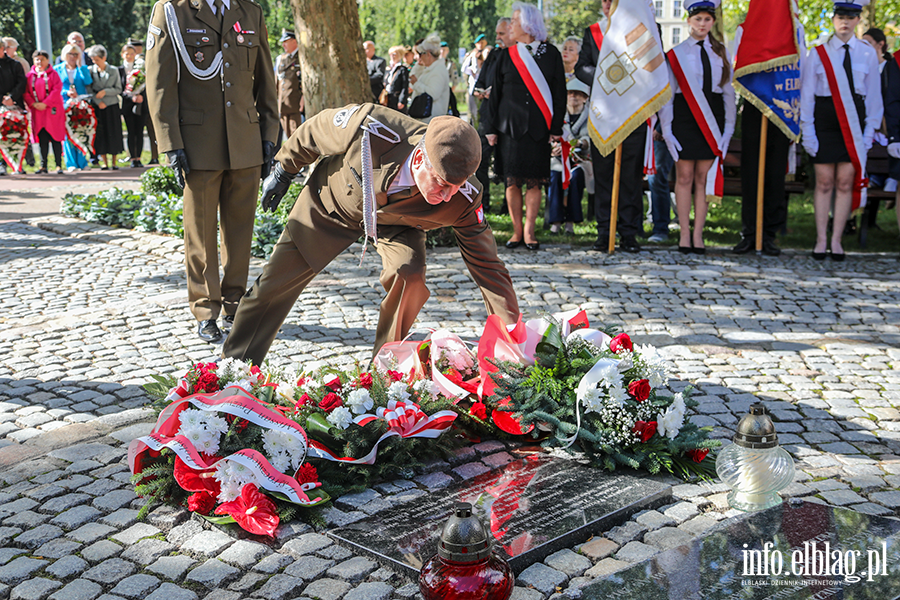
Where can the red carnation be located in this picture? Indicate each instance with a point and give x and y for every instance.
(645, 430)
(201, 502)
(252, 510)
(206, 367)
(238, 423)
(365, 381)
(698, 454)
(395, 375)
(335, 384)
(639, 389)
(620, 343)
(307, 474)
(479, 410)
(207, 382)
(330, 402)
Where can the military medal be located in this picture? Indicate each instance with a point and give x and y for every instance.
(240, 39)
(198, 56)
(204, 39)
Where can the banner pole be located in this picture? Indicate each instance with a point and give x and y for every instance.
(760, 180)
(614, 208)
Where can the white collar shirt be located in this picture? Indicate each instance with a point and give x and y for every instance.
(404, 179)
(225, 3)
(694, 66)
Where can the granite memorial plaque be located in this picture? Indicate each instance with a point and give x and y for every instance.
(797, 551)
(533, 507)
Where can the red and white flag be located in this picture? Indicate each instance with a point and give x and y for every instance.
(534, 80)
(631, 81)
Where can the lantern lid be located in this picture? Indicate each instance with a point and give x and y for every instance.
(464, 538)
(756, 430)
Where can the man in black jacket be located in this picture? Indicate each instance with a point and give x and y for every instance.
(12, 86)
(483, 92)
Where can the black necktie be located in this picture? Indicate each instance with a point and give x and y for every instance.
(707, 69)
(848, 67)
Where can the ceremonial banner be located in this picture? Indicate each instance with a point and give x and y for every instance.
(631, 81)
(767, 62)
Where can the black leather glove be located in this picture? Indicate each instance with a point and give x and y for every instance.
(179, 163)
(275, 187)
(268, 157)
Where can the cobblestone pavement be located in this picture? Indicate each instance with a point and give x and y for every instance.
(89, 313)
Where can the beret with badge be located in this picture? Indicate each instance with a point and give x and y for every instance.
(453, 148)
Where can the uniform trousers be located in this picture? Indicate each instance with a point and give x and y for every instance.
(232, 194)
(134, 124)
(774, 198)
(267, 304)
(289, 123)
(631, 196)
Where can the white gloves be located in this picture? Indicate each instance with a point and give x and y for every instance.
(867, 140)
(894, 149)
(723, 146)
(811, 145)
(672, 144)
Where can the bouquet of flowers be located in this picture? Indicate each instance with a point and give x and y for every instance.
(81, 124)
(135, 82)
(601, 395)
(233, 441)
(13, 136)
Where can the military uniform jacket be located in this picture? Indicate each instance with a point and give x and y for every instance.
(290, 86)
(221, 121)
(327, 217)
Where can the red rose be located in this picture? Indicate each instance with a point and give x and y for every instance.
(365, 381)
(307, 474)
(303, 401)
(201, 502)
(639, 389)
(620, 343)
(645, 430)
(335, 384)
(330, 402)
(698, 454)
(479, 410)
(395, 375)
(206, 367)
(238, 423)
(207, 382)
(254, 370)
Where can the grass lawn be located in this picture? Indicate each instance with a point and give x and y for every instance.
(723, 227)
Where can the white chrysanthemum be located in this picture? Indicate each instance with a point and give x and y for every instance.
(425, 387)
(593, 400)
(281, 462)
(229, 491)
(232, 368)
(195, 435)
(340, 417)
(626, 362)
(209, 443)
(245, 384)
(216, 424)
(618, 394)
(670, 422)
(359, 401)
(609, 375)
(275, 441)
(191, 417)
(398, 392)
(678, 403)
(285, 391)
(657, 377)
(240, 474)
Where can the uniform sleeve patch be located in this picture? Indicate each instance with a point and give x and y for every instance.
(342, 117)
(469, 191)
(479, 214)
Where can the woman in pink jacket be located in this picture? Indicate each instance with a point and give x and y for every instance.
(43, 97)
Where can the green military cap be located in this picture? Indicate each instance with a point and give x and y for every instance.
(453, 148)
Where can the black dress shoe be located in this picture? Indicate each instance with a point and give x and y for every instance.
(513, 244)
(533, 247)
(838, 257)
(697, 250)
(744, 246)
(770, 249)
(599, 246)
(629, 244)
(228, 322)
(819, 255)
(685, 249)
(209, 331)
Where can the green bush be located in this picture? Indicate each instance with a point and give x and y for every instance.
(114, 207)
(159, 180)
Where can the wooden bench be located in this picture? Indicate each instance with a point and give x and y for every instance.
(877, 163)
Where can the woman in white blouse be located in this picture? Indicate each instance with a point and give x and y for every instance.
(821, 128)
(706, 62)
(430, 77)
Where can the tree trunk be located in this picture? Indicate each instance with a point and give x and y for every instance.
(331, 56)
(868, 17)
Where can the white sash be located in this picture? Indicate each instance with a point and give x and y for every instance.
(538, 81)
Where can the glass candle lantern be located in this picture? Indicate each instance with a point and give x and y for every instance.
(465, 568)
(755, 467)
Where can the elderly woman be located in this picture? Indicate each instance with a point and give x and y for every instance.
(43, 97)
(76, 81)
(429, 77)
(396, 82)
(523, 120)
(571, 48)
(107, 88)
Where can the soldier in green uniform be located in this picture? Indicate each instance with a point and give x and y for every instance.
(388, 177)
(212, 97)
(290, 86)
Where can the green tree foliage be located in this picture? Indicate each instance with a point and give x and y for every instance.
(100, 21)
(571, 17)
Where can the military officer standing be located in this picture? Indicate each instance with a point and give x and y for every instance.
(414, 177)
(290, 87)
(212, 97)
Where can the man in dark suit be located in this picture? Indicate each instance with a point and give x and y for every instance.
(421, 178)
(376, 67)
(631, 197)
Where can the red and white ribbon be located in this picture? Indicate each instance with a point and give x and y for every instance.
(534, 80)
(404, 419)
(849, 121)
(703, 115)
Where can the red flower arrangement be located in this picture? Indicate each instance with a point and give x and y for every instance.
(645, 430)
(81, 125)
(639, 389)
(13, 136)
(252, 510)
